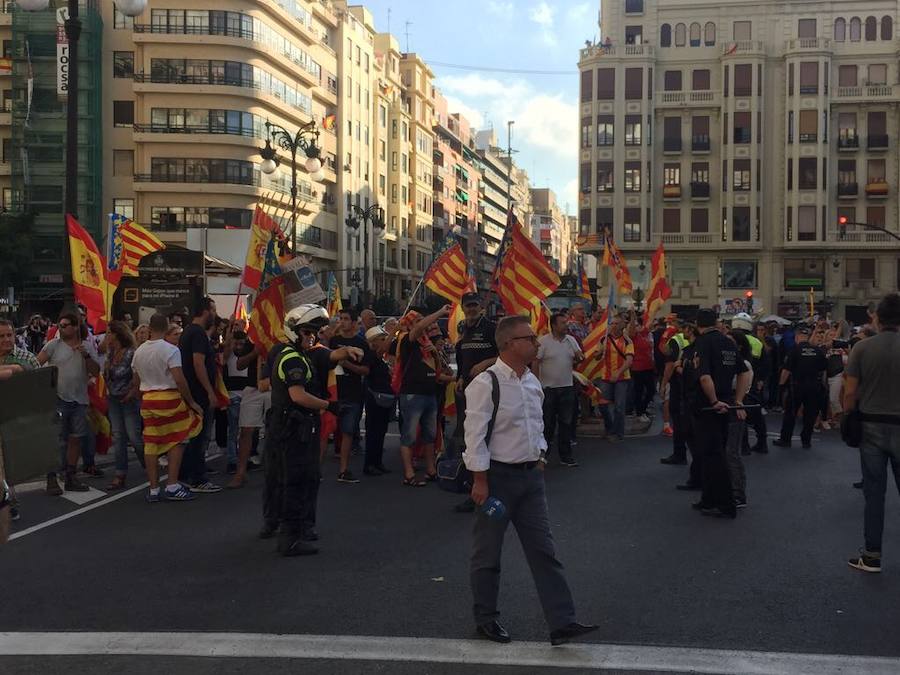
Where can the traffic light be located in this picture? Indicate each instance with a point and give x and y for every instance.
(842, 226)
(749, 296)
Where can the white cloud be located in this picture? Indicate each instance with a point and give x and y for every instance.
(578, 13)
(504, 9)
(543, 15)
(476, 119)
(569, 196)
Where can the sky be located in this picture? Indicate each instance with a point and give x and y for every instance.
(512, 35)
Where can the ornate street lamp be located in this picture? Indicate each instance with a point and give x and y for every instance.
(362, 218)
(305, 140)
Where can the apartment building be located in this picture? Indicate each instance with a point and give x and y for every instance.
(494, 192)
(550, 230)
(737, 133)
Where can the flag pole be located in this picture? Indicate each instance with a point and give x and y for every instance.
(413, 296)
(237, 298)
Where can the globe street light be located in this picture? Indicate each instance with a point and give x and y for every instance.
(361, 218)
(305, 140)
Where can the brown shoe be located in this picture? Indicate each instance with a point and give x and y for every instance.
(53, 489)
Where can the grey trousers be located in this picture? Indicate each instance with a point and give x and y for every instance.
(522, 491)
(733, 460)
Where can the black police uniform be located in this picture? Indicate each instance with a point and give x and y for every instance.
(674, 354)
(684, 427)
(807, 365)
(755, 419)
(476, 343)
(292, 442)
(717, 357)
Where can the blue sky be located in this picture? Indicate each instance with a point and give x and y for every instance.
(507, 34)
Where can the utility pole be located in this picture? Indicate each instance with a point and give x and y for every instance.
(509, 151)
(408, 24)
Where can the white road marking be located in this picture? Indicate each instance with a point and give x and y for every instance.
(632, 658)
(82, 498)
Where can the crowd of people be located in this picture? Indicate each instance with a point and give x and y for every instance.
(177, 383)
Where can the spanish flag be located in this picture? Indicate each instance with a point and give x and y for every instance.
(260, 234)
(266, 327)
(92, 285)
(6, 66)
(329, 121)
(659, 290)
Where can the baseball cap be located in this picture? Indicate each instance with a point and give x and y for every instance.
(374, 332)
(471, 299)
(706, 318)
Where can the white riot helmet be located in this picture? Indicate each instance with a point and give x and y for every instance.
(310, 316)
(742, 321)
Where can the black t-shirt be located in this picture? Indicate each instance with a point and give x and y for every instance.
(476, 343)
(674, 355)
(806, 364)
(718, 357)
(236, 383)
(350, 385)
(379, 378)
(418, 376)
(194, 340)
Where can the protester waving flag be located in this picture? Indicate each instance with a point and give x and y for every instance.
(584, 288)
(613, 258)
(334, 304)
(659, 290)
(448, 275)
(260, 235)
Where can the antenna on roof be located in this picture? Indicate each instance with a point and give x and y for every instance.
(408, 24)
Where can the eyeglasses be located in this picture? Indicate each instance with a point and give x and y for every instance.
(531, 338)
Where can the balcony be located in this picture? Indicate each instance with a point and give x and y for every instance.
(850, 142)
(877, 189)
(847, 190)
(687, 238)
(640, 51)
(877, 142)
(808, 45)
(869, 92)
(200, 129)
(744, 48)
(700, 143)
(672, 193)
(680, 99)
(853, 238)
(672, 145)
(699, 190)
(808, 138)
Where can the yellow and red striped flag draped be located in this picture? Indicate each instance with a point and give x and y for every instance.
(590, 389)
(457, 316)
(260, 233)
(92, 283)
(613, 258)
(266, 327)
(167, 421)
(597, 335)
(590, 367)
(659, 290)
(447, 276)
(584, 288)
(97, 414)
(540, 318)
(523, 275)
(129, 243)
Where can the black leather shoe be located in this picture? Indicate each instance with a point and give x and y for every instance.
(689, 487)
(570, 632)
(310, 534)
(858, 485)
(494, 632)
(291, 546)
(268, 530)
(781, 444)
(672, 459)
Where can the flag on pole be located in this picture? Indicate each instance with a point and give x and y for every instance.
(613, 258)
(448, 275)
(592, 364)
(128, 244)
(597, 335)
(522, 276)
(329, 121)
(659, 290)
(540, 318)
(584, 288)
(260, 233)
(271, 266)
(334, 296)
(92, 283)
(266, 327)
(457, 315)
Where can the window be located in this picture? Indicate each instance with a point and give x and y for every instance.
(738, 274)
(855, 29)
(699, 220)
(606, 84)
(632, 176)
(587, 81)
(806, 223)
(605, 130)
(700, 133)
(740, 175)
(605, 182)
(634, 83)
(632, 227)
(875, 171)
(586, 132)
(847, 76)
(672, 80)
(121, 21)
(672, 134)
(393, 193)
(123, 113)
(632, 129)
(634, 6)
(742, 30)
(585, 174)
(700, 173)
(695, 35)
(123, 163)
(806, 28)
(672, 220)
(847, 136)
(807, 171)
(665, 35)
(740, 228)
(809, 125)
(123, 64)
(700, 80)
(860, 271)
(633, 35)
(875, 215)
(709, 34)
(887, 28)
(604, 220)
(790, 173)
(809, 77)
(871, 29)
(124, 206)
(840, 30)
(877, 73)
(672, 174)
(382, 184)
(680, 35)
(848, 212)
(584, 221)
(742, 130)
(382, 150)
(877, 128)
(743, 79)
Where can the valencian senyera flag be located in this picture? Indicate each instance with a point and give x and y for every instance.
(522, 276)
(658, 291)
(448, 275)
(128, 244)
(613, 258)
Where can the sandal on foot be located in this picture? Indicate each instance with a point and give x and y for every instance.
(414, 482)
(117, 483)
(431, 477)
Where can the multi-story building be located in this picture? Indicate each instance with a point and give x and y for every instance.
(495, 200)
(737, 133)
(550, 229)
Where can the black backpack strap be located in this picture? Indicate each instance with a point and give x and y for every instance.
(495, 399)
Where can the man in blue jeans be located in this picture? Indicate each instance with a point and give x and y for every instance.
(873, 385)
(615, 378)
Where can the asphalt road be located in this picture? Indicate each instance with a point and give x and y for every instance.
(394, 562)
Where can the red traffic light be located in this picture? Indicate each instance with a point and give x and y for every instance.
(842, 220)
(749, 294)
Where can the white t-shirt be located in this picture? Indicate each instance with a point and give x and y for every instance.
(72, 382)
(152, 361)
(557, 358)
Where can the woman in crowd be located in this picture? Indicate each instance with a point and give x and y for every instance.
(141, 335)
(173, 335)
(123, 398)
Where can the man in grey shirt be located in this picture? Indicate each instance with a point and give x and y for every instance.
(873, 384)
(76, 359)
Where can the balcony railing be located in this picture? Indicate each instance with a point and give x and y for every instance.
(848, 142)
(252, 180)
(877, 189)
(671, 192)
(741, 47)
(197, 129)
(700, 190)
(847, 190)
(680, 98)
(878, 142)
(672, 145)
(866, 92)
(700, 143)
(808, 138)
(814, 43)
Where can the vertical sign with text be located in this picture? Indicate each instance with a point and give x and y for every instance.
(62, 54)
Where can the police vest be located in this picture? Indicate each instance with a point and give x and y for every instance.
(681, 341)
(756, 346)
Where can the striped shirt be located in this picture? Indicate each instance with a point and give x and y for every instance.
(614, 358)
(20, 357)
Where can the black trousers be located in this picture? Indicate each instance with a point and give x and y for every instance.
(292, 482)
(560, 404)
(643, 383)
(683, 440)
(809, 396)
(711, 438)
(755, 421)
(377, 420)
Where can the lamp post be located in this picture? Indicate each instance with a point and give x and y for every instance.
(638, 293)
(305, 140)
(361, 218)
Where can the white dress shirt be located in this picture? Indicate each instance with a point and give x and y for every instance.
(518, 434)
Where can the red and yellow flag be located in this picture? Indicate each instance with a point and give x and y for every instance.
(447, 276)
(658, 291)
(613, 258)
(137, 242)
(97, 414)
(584, 288)
(540, 318)
(91, 284)
(266, 327)
(457, 315)
(260, 234)
(597, 335)
(523, 275)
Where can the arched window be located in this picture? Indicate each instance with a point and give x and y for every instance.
(840, 30)
(695, 35)
(887, 28)
(871, 29)
(680, 35)
(665, 35)
(709, 37)
(855, 29)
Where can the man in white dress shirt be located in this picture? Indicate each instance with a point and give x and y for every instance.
(509, 467)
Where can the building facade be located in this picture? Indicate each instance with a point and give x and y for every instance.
(550, 230)
(737, 133)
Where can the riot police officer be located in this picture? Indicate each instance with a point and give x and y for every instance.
(742, 324)
(298, 376)
(804, 374)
